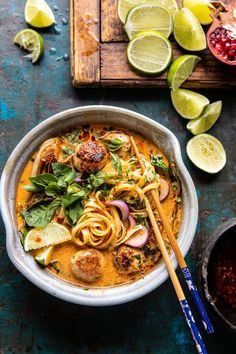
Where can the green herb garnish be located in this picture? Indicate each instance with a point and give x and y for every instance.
(113, 144)
(67, 151)
(116, 163)
(157, 161)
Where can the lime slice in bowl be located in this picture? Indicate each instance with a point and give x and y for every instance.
(188, 31)
(181, 69)
(52, 234)
(43, 256)
(200, 9)
(210, 115)
(188, 104)
(38, 14)
(207, 153)
(147, 17)
(31, 41)
(124, 6)
(150, 52)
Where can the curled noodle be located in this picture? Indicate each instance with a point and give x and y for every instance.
(99, 226)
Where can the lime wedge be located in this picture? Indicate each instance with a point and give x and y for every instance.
(148, 17)
(124, 6)
(188, 31)
(207, 153)
(52, 234)
(31, 41)
(43, 256)
(188, 104)
(149, 52)
(181, 69)
(38, 14)
(210, 115)
(200, 9)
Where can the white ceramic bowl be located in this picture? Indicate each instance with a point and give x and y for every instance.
(107, 115)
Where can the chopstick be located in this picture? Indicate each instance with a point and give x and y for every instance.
(175, 281)
(182, 263)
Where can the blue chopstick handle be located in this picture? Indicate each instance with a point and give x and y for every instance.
(198, 301)
(192, 325)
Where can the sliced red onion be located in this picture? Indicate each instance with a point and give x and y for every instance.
(132, 222)
(164, 189)
(122, 206)
(138, 236)
(78, 177)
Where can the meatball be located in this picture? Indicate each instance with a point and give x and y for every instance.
(128, 260)
(125, 140)
(90, 156)
(88, 265)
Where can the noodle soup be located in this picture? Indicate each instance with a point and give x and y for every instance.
(80, 205)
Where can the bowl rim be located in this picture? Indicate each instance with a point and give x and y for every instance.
(53, 286)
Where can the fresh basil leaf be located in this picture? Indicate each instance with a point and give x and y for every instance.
(41, 214)
(43, 179)
(113, 144)
(77, 191)
(52, 190)
(97, 180)
(74, 211)
(116, 163)
(32, 188)
(69, 199)
(157, 161)
(64, 173)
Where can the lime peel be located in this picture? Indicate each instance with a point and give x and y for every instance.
(209, 117)
(201, 9)
(181, 69)
(188, 31)
(188, 104)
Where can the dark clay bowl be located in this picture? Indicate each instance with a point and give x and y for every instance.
(220, 310)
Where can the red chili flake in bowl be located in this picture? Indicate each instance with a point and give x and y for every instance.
(224, 271)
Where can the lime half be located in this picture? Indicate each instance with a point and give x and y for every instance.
(200, 9)
(38, 14)
(210, 115)
(188, 31)
(188, 104)
(181, 69)
(149, 52)
(207, 153)
(43, 256)
(148, 17)
(31, 41)
(124, 6)
(52, 234)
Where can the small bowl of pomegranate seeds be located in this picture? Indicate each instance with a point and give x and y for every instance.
(217, 274)
(222, 44)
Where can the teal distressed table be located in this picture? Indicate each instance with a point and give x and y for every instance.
(34, 322)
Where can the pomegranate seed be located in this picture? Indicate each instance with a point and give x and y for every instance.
(232, 54)
(233, 46)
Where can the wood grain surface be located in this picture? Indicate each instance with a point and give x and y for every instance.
(107, 65)
(85, 33)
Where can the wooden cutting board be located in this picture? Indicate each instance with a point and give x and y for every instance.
(98, 53)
